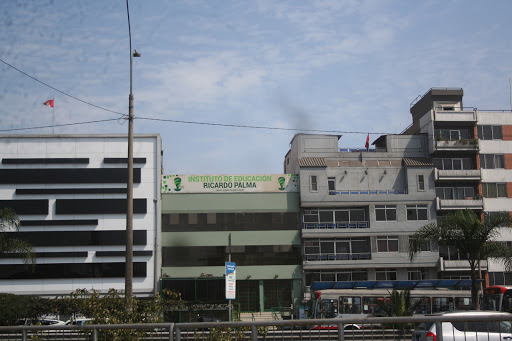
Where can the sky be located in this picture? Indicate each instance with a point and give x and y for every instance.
(341, 67)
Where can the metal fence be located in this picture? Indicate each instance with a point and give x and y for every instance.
(468, 328)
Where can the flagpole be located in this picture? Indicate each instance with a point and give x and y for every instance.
(53, 118)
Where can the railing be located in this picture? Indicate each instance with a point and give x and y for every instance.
(341, 225)
(369, 192)
(395, 328)
(339, 256)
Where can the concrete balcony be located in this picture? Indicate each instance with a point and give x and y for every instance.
(459, 204)
(457, 145)
(459, 265)
(461, 174)
(455, 115)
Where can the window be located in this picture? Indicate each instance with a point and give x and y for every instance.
(452, 134)
(385, 274)
(313, 183)
(489, 132)
(494, 190)
(455, 193)
(453, 163)
(385, 212)
(416, 274)
(387, 244)
(421, 182)
(417, 212)
(337, 249)
(492, 161)
(331, 183)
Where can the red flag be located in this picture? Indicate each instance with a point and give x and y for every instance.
(49, 103)
(367, 144)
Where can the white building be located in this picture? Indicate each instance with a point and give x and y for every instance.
(70, 194)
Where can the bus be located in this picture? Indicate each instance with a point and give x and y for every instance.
(353, 303)
(497, 298)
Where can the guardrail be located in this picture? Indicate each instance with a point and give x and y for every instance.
(374, 328)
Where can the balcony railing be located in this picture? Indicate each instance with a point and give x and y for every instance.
(338, 256)
(368, 192)
(339, 225)
(459, 204)
(464, 144)
(459, 174)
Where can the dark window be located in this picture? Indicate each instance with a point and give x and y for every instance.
(385, 212)
(494, 190)
(67, 176)
(70, 270)
(421, 182)
(98, 206)
(313, 184)
(331, 182)
(217, 255)
(387, 244)
(489, 132)
(492, 161)
(417, 212)
(182, 222)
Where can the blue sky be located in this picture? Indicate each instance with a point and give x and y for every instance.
(345, 66)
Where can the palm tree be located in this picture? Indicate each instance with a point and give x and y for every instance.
(472, 237)
(9, 223)
(400, 304)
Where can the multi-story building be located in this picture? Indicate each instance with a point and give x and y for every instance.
(360, 207)
(471, 150)
(69, 192)
(259, 214)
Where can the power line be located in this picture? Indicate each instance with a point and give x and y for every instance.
(207, 124)
(62, 92)
(60, 125)
(258, 127)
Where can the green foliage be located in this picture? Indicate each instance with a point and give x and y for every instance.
(111, 309)
(399, 304)
(471, 236)
(9, 225)
(15, 307)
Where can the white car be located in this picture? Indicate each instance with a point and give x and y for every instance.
(79, 321)
(467, 331)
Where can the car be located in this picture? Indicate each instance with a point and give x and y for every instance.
(79, 321)
(467, 331)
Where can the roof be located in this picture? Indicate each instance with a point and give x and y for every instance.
(312, 162)
(418, 162)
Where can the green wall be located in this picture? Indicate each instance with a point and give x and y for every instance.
(230, 202)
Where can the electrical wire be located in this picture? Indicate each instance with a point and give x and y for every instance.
(62, 92)
(258, 127)
(164, 120)
(60, 125)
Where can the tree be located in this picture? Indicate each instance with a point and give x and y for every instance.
(9, 224)
(399, 304)
(473, 237)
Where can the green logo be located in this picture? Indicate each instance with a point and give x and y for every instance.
(281, 181)
(177, 182)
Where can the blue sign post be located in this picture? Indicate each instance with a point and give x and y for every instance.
(230, 280)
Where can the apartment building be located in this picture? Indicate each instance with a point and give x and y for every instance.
(259, 214)
(360, 207)
(69, 192)
(471, 150)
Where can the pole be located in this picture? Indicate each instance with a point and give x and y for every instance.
(229, 260)
(128, 285)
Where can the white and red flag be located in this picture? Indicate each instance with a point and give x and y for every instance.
(49, 103)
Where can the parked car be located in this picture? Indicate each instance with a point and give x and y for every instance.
(79, 321)
(467, 331)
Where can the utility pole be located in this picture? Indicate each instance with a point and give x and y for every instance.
(128, 285)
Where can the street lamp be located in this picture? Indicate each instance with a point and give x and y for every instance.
(128, 284)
